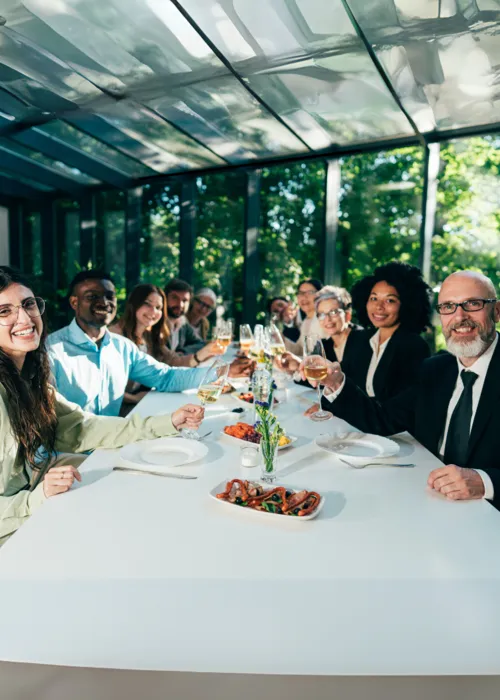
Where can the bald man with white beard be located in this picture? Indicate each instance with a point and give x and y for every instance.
(453, 408)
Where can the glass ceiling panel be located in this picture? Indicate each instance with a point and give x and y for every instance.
(55, 165)
(26, 181)
(305, 60)
(73, 137)
(153, 55)
(442, 57)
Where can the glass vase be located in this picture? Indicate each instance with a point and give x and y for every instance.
(268, 461)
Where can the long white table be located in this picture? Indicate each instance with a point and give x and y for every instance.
(390, 584)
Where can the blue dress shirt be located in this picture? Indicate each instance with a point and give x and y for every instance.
(95, 376)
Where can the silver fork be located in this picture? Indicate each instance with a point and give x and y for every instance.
(153, 473)
(374, 464)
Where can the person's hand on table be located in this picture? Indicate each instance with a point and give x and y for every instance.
(60, 479)
(312, 409)
(287, 362)
(456, 483)
(189, 416)
(241, 367)
(333, 379)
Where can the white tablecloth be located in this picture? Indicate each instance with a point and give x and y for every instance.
(148, 573)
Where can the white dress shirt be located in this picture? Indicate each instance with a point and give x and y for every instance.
(480, 367)
(378, 351)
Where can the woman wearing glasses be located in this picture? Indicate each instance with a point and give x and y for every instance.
(393, 304)
(203, 304)
(306, 295)
(35, 420)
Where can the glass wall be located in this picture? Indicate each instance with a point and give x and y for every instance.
(160, 233)
(111, 241)
(292, 227)
(380, 211)
(220, 222)
(467, 232)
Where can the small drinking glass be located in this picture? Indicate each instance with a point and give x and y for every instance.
(246, 339)
(210, 389)
(316, 369)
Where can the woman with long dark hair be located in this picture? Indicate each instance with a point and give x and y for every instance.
(35, 420)
(394, 305)
(144, 322)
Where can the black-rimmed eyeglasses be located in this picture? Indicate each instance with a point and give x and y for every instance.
(206, 306)
(9, 313)
(449, 307)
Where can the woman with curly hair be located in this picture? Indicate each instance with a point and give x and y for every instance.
(394, 305)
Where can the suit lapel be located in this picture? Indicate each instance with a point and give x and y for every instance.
(382, 374)
(490, 396)
(440, 393)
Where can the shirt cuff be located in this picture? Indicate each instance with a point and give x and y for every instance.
(489, 489)
(332, 395)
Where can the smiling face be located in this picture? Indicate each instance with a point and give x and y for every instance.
(203, 305)
(24, 333)
(336, 320)
(150, 313)
(178, 303)
(94, 304)
(468, 333)
(383, 306)
(305, 297)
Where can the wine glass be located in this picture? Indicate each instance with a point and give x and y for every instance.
(246, 338)
(276, 342)
(316, 369)
(225, 334)
(210, 389)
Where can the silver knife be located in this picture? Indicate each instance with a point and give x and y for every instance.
(147, 471)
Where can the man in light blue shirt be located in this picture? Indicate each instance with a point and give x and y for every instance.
(91, 366)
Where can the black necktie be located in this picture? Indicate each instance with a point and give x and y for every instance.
(458, 431)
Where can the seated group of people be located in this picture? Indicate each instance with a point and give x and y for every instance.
(380, 377)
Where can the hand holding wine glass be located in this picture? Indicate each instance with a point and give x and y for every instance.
(315, 369)
(210, 388)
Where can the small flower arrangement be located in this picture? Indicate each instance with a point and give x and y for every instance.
(271, 432)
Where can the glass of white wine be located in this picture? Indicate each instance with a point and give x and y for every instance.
(210, 389)
(225, 334)
(246, 339)
(316, 369)
(277, 344)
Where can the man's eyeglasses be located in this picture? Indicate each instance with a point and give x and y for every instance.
(208, 307)
(9, 313)
(449, 307)
(329, 314)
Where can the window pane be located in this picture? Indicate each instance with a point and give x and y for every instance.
(160, 233)
(380, 211)
(112, 243)
(290, 241)
(219, 243)
(467, 232)
(55, 165)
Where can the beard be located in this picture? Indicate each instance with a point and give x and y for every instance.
(469, 348)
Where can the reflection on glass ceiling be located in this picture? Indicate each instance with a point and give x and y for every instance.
(135, 88)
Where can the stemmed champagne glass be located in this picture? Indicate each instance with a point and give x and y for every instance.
(277, 344)
(210, 389)
(316, 369)
(225, 334)
(246, 338)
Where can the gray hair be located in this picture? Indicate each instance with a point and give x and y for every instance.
(338, 294)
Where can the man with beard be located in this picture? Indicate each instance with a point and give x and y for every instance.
(91, 366)
(453, 408)
(183, 337)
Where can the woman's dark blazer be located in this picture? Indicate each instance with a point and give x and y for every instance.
(398, 366)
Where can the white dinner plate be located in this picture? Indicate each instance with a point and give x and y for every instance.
(166, 452)
(247, 443)
(358, 448)
(222, 487)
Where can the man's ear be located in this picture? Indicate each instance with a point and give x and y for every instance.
(497, 312)
(73, 302)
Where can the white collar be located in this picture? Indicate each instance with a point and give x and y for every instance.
(375, 341)
(480, 366)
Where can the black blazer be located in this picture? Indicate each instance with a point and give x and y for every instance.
(351, 346)
(398, 366)
(422, 411)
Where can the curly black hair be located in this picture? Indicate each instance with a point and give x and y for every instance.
(414, 293)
